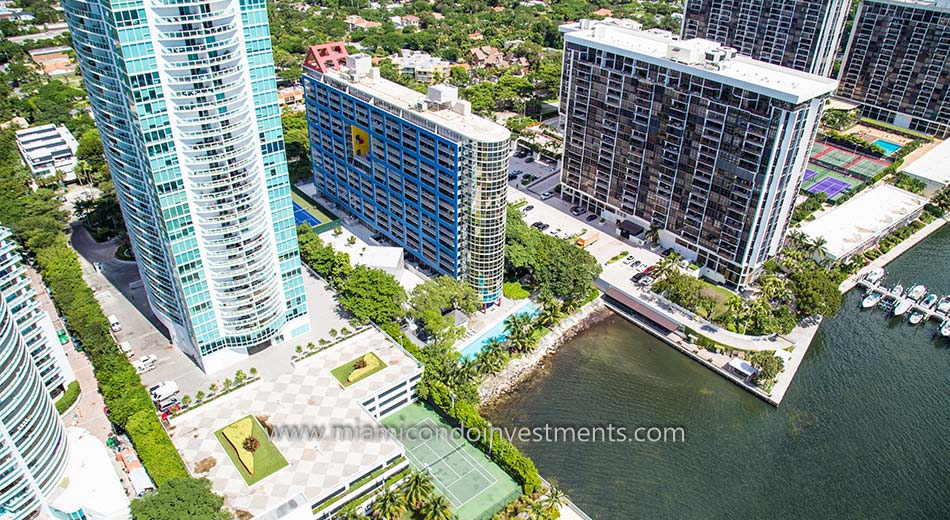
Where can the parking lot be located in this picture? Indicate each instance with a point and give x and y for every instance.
(545, 175)
(118, 288)
(556, 213)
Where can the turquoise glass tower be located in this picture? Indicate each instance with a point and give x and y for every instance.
(184, 95)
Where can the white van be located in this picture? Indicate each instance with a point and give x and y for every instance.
(114, 323)
(126, 348)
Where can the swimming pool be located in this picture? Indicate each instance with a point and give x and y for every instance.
(472, 348)
(889, 147)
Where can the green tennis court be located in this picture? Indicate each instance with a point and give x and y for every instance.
(476, 486)
(818, 148)
(866, 168)
(837, 158)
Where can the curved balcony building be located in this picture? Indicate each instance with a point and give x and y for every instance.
(185, 99)
(421, 170)
(33, 445)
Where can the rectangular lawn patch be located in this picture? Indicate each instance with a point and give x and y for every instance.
(348, 373)
(256, 466)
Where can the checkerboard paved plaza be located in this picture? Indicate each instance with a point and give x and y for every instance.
(308, 396)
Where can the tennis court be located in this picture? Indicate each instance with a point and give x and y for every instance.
(836, 157)
(866, 167)
(302, 216)
(476, 486)
(818, 148)
(831, 183)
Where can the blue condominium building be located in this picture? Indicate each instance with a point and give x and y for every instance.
(185, 99)
(421, 170)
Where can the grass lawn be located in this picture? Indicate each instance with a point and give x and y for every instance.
(347, 374)
(720, 294)
(310, 208)
(266, 460)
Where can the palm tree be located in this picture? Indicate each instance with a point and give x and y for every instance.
(653, 234)
(388, 505)
(437, 509)
(797, 239)
(418, 489)
(492, 358)
(555, 497)
(538, 510)
(569, 306)
(550, 313)
(666, 266)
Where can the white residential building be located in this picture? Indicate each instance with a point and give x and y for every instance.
(48, 149)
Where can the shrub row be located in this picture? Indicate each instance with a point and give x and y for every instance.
(129, 404)
(69, 397)
(487, 439)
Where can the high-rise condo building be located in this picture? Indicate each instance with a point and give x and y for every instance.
(799, 34)
(35, 324)
(420, 170)
(897, 64)
(705, 146)
(185, 99)
(33, 446)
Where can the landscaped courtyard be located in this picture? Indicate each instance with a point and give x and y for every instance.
(250, 449)
(360, 368)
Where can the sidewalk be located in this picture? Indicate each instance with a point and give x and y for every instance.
(88, 411)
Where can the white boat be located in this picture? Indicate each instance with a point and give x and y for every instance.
(929, 301)
(916, 292)
(898, 290)
(916, 317)
(871, 299)
(902, 307)
(874, 275)
(945, 329)
(944, 305)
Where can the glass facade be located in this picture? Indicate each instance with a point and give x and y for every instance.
(799, 34)
(896, 64)
(185, 99)
(33, 447)
(714, 165)
(22, 301)
(435, 192)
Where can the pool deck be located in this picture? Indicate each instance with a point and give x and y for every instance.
(482, 323)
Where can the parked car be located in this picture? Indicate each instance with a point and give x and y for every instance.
(547, 195)
(529, 160)
(577, 211)
(126, 349)
(636, 264)
(647, 281)
(537, 225)
(543, 226)
(144, 364)
(527, 208)
(591, 217)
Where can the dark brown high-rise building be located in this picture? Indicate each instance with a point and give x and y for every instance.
(897, 65)
(685, 136)
(799, 34)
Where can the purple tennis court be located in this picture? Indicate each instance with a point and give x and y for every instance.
(810, 174)
(829, 185)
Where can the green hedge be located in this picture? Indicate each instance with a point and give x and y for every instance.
(69, 397)
(129, 403)
(498, 448)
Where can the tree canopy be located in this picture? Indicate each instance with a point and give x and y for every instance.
(554, 266)
(182, 497)
(373, 295)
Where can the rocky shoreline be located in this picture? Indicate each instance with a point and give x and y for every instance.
(499, 385)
